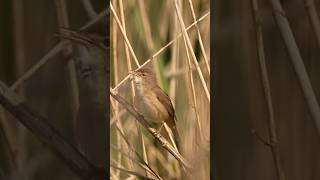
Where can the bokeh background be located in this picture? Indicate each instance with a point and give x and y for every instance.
(240, 102)
(27, 32)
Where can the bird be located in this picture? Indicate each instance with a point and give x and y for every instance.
(152, 102)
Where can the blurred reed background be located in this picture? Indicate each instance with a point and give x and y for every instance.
(243, 112)
(149, 26)
(28, 30)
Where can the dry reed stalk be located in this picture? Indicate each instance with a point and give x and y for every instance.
(199, 38)
(145, 24)
(151, 130)
(124, 35)
(194, 99)
(89, 8)
(114, 50)
(130, 178)
(48, 135)
(169, 132)
(163, 22)
(266, 87)
(114, 118)
(127, 55)
(192, 52)
(174, 59)
(143, 163)
(206, 31)
(206, 120)
(180, 71)
(193, 125)
(139, 162)
(160, 51)
(143, 147)
(116, 109)
(297, 61)
(154, 152)
(141, 141)
(148, 37)
(113, 175)
(53, 52)
(121, 143)
(314, 19)
(130, 172)
(139, 19)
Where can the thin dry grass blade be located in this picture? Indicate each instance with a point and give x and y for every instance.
(141, 141)
(194, 99)
(314, 18)
(148, 37)
(192, 52)
(138, 155)
(121, 143)
(89, 8)
(131, 172)
(116, 106)
(124, 34)
(297, 61)
(199, 37)
(266, 87)
(151, 130)
(160, 51)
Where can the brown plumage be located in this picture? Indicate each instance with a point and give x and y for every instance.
(152, 102)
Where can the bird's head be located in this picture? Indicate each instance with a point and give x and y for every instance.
(143, 77)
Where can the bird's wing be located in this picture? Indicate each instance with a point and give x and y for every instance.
(165, 100)
(171, 121)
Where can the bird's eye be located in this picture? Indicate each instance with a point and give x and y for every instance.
(143, 74)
